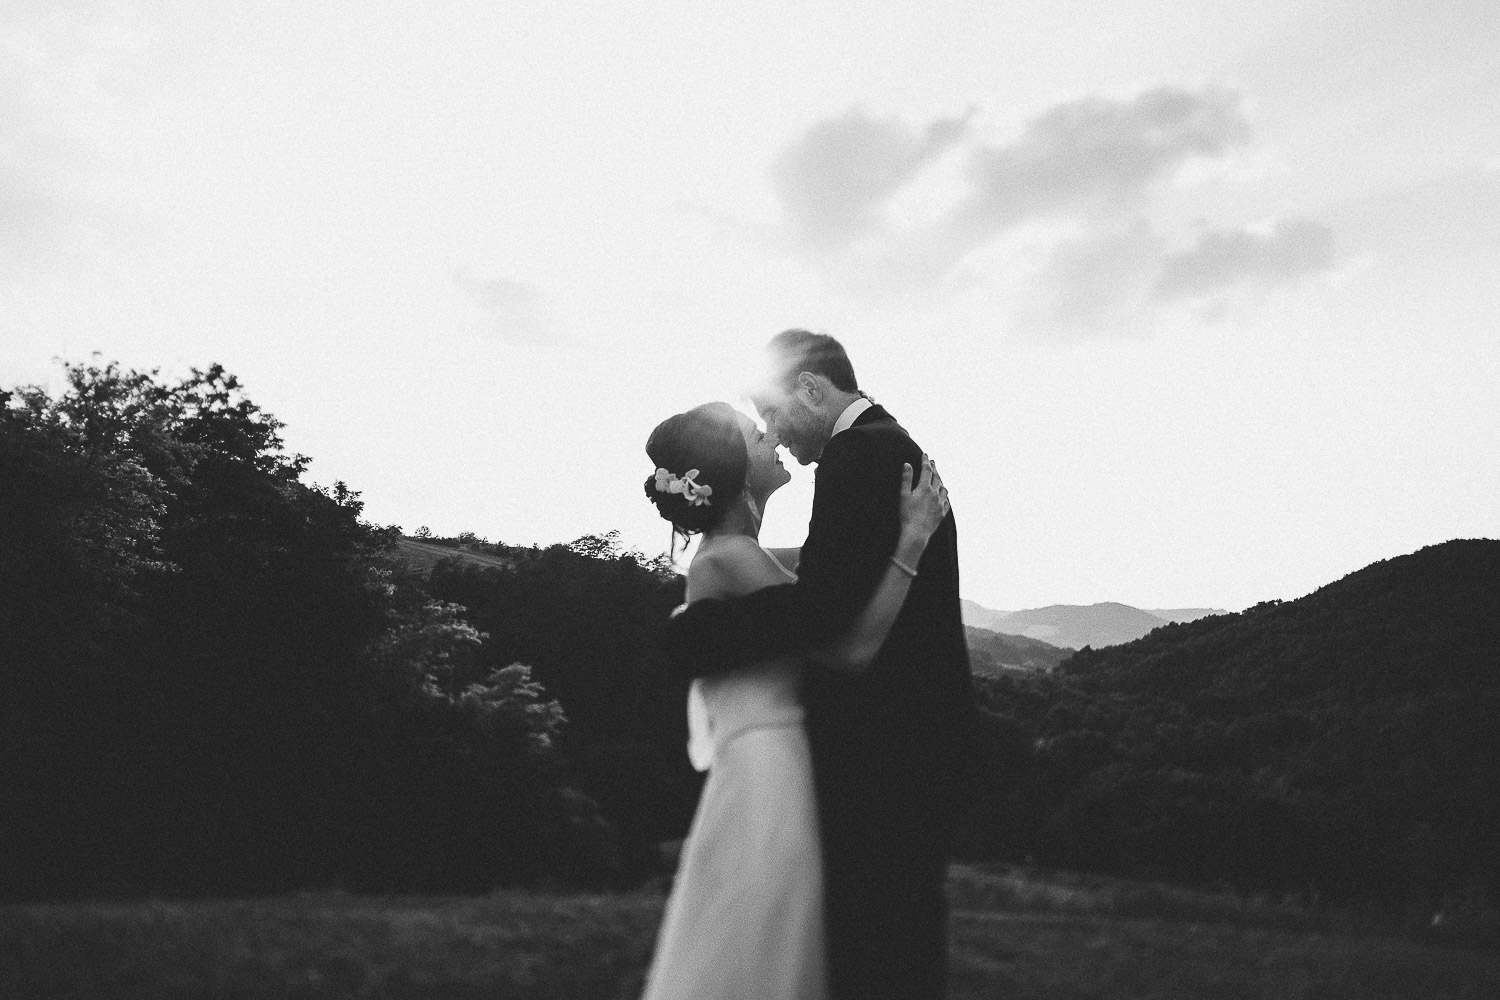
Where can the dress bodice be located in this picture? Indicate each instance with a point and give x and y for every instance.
(723, 706)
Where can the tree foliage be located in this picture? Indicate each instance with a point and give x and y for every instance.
(219, 679)
(585, 616)
(1341, 746)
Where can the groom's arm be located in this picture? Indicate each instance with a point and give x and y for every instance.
(853, 529)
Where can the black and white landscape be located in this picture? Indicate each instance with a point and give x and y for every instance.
(331, 336)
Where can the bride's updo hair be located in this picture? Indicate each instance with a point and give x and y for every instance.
(706, 438)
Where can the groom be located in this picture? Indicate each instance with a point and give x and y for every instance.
(890, 746)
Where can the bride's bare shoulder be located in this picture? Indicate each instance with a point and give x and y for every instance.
(730, 566)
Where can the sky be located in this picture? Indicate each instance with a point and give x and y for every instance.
(1195, 304)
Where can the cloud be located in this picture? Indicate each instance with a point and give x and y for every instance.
(1085, 180)
(509, 310)
(1112, 278)
(1097, 154)
(1083, 162)
(1283, 255)
(1090, 283)
(834, 180)
(1086, 161)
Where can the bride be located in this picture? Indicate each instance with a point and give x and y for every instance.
(745, 918)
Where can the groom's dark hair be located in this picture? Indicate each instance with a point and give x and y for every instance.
(796, 351)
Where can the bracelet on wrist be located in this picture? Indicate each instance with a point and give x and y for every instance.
(903, 567)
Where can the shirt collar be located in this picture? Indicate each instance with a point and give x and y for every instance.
(851, 413)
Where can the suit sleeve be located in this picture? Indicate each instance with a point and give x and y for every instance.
(854, 525)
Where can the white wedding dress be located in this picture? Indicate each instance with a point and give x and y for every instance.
(745, 918)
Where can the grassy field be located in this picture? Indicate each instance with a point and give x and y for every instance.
(422, 556)
(1013, 936)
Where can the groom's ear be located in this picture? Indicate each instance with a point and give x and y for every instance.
(809, 385)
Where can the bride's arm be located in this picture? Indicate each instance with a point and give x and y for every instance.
(922, 510)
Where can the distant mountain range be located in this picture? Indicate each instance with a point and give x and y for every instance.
(1036, 639)
(1074, 626)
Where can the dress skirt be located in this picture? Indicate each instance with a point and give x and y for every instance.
(745, 917)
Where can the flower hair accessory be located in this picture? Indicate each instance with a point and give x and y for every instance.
(694, 494)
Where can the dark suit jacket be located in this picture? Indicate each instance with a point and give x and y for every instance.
(897, 737)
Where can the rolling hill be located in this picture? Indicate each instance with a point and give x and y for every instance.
(1074, 626)
(1413, 624)
(422, 556)
(993, 652)
(1353, 730)
(1184, 614)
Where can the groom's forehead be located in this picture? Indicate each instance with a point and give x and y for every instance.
(769, 377)
(762, 400)
(746, 408)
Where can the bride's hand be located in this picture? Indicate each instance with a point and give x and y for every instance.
(924, 505)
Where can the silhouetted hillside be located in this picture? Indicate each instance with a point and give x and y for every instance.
(1416, 624)
(992, 652)
(1184, 614)
(1345, 743)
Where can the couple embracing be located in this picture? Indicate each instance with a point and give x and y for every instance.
(831, 704)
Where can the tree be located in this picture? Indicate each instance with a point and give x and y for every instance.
(220, 679)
